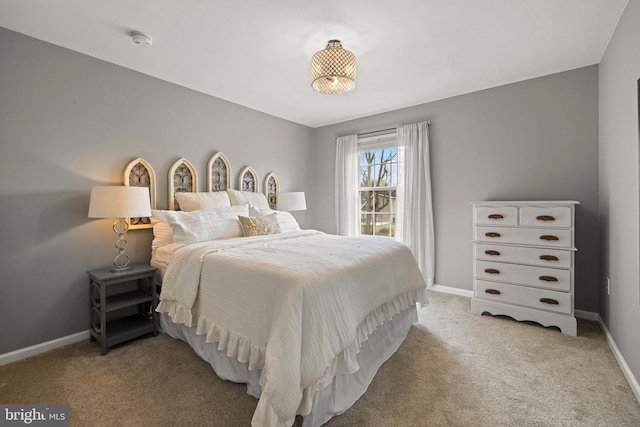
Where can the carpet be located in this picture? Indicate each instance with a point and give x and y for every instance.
(454, 369)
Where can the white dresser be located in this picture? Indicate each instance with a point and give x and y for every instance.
(524, 261)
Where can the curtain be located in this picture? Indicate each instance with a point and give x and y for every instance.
(415, 227)
(347, 178)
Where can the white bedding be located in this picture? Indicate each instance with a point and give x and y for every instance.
(160, 258)
(296, 305)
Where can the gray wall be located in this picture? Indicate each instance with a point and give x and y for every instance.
(532, 140)
(68, 122)
(619, 73)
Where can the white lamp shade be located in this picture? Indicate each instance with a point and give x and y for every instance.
(119, 202)
(293, 201)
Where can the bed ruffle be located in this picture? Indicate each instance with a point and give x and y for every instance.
(235, 346)
(179, 313)
(241, 349)
(347, 362)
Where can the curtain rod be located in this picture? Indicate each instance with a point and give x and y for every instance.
(377, 131)
(382, 131)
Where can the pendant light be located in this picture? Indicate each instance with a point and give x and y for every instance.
(333, 69)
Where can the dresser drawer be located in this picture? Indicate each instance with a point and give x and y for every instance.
(501, 215)
(543, 299)
(539, 277)
(555, 258)
(525, 236)
(558, 216)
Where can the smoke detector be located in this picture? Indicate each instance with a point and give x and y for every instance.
(141, 39)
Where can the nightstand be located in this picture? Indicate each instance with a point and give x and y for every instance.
(122, 305)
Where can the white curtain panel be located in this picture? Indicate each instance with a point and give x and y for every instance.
(414, 206)
(347, 178)
(414, 209)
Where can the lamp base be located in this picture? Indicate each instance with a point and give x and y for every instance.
(121, 269)
(121, 261)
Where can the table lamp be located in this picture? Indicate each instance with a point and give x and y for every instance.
(293, 201)
(120, 202)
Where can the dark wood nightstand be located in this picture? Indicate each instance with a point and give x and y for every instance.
(122, 305)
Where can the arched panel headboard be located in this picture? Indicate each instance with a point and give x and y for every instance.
(218, 173)
(139, 173)
(248, 180)
(182, 178)
(271, 189)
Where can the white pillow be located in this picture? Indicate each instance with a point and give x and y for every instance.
(205, 224)
(254, 211)
(258, 200)
(162, 232)
(195, 201)
(285, 219)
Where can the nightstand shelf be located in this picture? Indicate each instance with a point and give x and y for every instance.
(122, 305)
(127, 299)
(128, 328)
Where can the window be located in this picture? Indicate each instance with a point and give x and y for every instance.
(378, 169)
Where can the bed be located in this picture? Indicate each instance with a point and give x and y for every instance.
(304, 318)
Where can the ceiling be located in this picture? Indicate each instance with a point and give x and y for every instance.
(257, 53)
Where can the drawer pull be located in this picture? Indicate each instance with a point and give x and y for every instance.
(491, 271)
(496, 216)
(548, 237)
(492, 291)
(490, 252)
(492, 234)
(545, 218)
(548, 258)
(548, 278)
(549, 301)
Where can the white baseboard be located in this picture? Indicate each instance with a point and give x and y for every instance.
(450, 290)
(23, 353)
(631, 379)
(587, 315)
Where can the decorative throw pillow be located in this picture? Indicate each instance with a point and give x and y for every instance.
(259, 225)
(195, 201)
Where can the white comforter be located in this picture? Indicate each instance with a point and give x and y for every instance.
(296, 305)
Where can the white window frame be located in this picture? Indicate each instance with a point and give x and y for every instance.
(378, 143)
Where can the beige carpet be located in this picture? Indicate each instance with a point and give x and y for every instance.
(454, 369)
